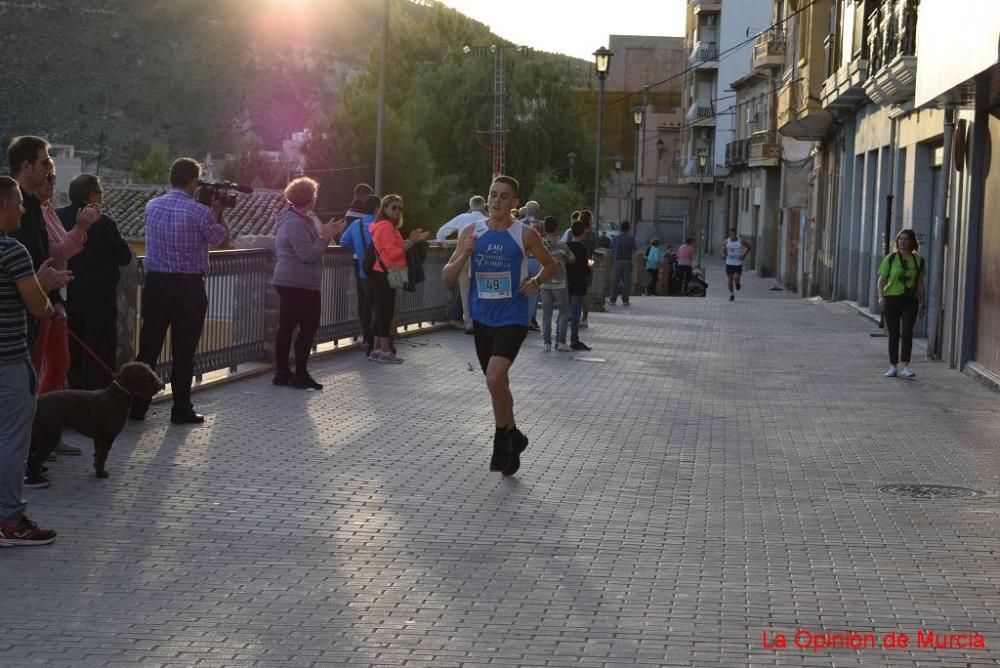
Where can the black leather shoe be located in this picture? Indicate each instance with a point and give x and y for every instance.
(190, 417)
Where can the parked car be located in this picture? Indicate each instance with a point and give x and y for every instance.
(608, 227)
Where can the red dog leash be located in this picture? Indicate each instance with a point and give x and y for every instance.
(93, 355)
(111, 372)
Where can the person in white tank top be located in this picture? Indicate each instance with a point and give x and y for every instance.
(733, 251)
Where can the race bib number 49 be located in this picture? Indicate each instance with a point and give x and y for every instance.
(493, 285)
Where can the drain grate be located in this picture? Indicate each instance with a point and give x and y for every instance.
(931, 491)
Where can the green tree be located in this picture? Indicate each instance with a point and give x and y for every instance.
(439, 102)
(557, 198)
(154, 168)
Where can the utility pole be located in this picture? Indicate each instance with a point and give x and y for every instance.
(380, 129)
(498, 127)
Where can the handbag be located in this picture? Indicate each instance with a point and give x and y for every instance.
(397, 276)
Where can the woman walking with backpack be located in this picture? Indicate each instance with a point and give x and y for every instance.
(901, 295)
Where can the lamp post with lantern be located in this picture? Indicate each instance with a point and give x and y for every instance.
(617, 161)
(702, 161)
(602, 62)
(637, 117)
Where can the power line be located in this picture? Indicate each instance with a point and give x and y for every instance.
(721, 56)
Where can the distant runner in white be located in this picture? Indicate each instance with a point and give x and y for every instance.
(733, 251)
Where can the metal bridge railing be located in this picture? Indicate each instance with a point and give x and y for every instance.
(243, 306)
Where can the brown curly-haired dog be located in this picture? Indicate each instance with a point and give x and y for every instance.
(99, 414)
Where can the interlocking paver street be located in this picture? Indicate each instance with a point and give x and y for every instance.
(710, 474)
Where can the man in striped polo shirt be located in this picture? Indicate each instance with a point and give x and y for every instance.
(20, 290)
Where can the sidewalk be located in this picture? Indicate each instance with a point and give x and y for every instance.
(709, 473)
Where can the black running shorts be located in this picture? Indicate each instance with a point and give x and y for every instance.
(504, 341)
(734, 269)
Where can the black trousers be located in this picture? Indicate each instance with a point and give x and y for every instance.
(900, 315)
(299, 308)
(654, 276)
(383, 304)
(176, 302)
(683, 277)
(95, 321)
(364, 309)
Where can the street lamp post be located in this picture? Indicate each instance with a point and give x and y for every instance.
(659, 157)
(637, 114)
(571, 157)
(702, 161)
(602, 61)
(617, 162)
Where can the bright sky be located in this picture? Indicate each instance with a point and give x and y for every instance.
(574, 27)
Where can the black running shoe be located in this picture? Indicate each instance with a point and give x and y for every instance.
(579, 345)
(304, 382)
(502, 450)
(519, 442)
(35, 480)
(732, 298)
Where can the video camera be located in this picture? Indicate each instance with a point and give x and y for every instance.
(209, 190)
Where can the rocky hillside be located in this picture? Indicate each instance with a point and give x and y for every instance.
(191, 74)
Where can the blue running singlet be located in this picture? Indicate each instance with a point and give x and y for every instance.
(498, 267)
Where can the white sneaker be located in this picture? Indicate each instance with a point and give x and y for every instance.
(546, 347)
(562, 347)
(891, 373)
(907, 372)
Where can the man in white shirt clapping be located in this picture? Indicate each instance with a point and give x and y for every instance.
(477, 212)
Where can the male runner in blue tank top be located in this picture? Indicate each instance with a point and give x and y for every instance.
(498, 302)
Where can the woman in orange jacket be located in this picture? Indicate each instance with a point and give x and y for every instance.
(390, 254)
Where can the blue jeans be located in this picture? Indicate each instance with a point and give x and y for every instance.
(18, 385)
(575, 310)
(621, 279)
(534, 266)
(554, 297)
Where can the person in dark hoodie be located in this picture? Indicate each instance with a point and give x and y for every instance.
(357, 237)
(91, 299)
(30, 165)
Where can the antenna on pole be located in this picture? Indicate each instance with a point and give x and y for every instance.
(104, 125)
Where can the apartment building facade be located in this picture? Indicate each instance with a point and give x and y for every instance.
(719, 52)
(884, 157)
(645, 77)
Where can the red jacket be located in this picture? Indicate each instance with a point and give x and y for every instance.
(389, 244)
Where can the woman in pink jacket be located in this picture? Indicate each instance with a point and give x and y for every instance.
(50, 355)
(390, 250)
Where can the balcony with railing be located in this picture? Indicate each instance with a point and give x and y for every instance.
(704, 55)
(843, 87)
(700, 113)
(694, 173)
(737, 153)
(799, 112)
(765, 150)
(892, 47)
(769, 49)
(706, 6)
